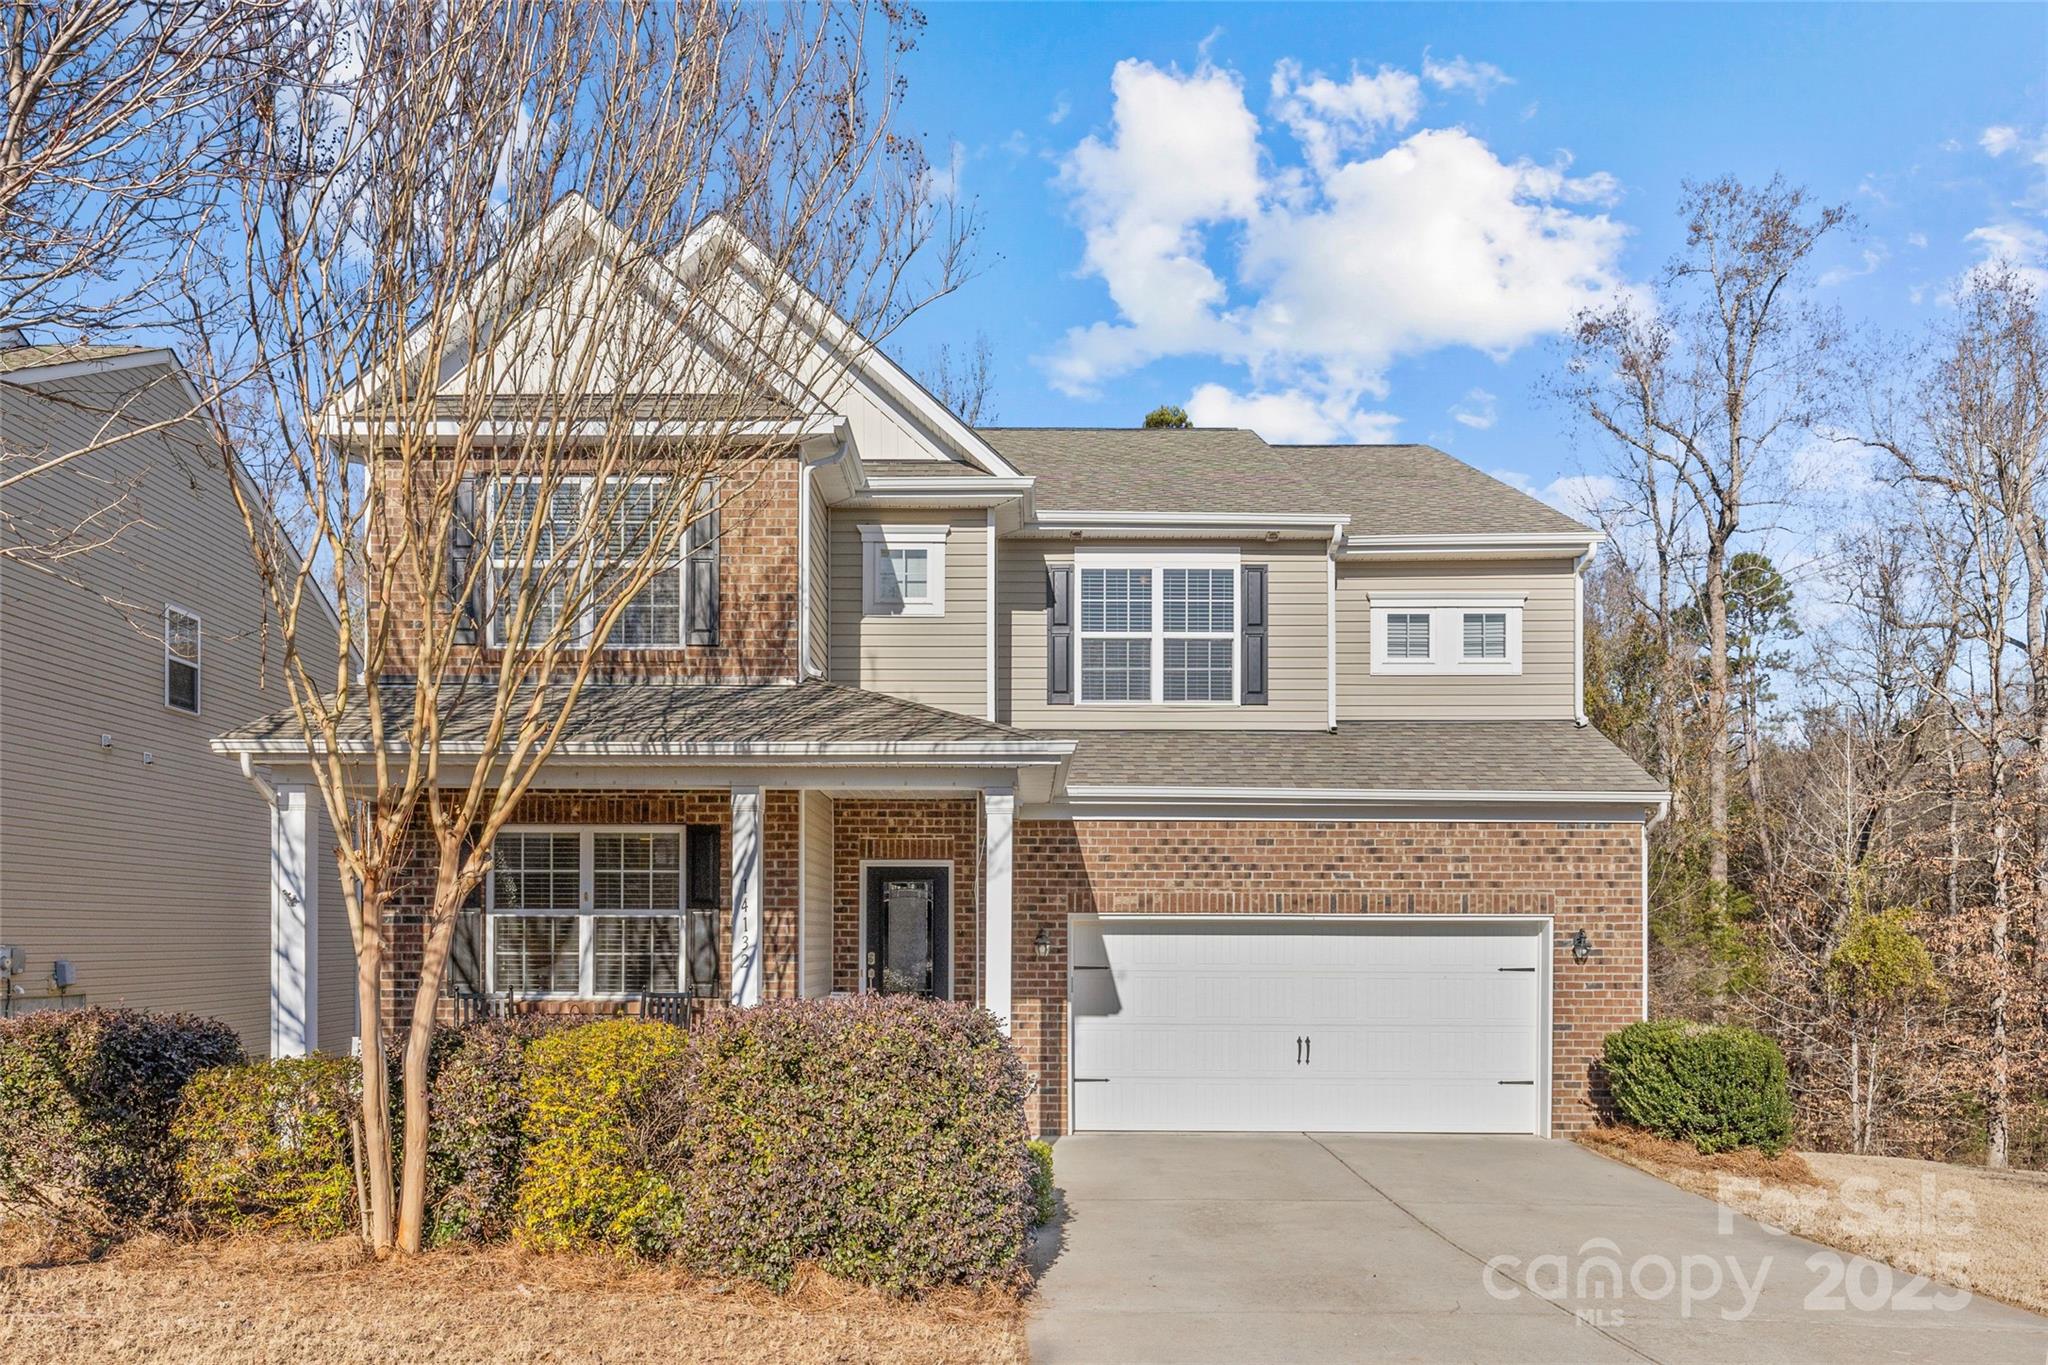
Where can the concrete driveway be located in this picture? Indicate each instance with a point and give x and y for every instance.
(1294, 1247)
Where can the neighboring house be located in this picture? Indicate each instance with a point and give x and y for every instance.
(1247, 783)
(129, 852)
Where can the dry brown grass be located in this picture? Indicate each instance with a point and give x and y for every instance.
(1987, 1230)
(259, 1299)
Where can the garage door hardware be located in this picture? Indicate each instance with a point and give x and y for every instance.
(1304, 1050)
(1514, 1082)
(1514, 969)
(1091, 1080)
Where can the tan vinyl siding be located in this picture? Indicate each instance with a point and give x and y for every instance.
(817, 894)
(819, 642)
(151, 876)
(1297, 598)
(1543, 689)
(938, 660)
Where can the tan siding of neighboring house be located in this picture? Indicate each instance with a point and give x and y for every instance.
(1543, 689)
(150, 876)
(938, 660)
(1297, 597)
(817, 894)
(819, 641)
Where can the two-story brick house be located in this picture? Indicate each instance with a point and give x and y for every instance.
(1248, 783)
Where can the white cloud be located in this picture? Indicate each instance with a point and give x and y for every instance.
(1478, 410)
(1481, 78)
(1290, 417)
(1583, 496)
(2023, 246)
(1873, 257)
(1329, 118)
(1916, 239)
(1999, 139)
(1061, 107)
(1316, 278)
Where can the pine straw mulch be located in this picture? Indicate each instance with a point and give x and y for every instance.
(264, 1299)
(1985, 1230)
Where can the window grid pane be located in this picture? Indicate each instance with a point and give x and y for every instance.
(1486, 635)
(902, 574)
(535, 953)
(1408, 635)
(536, 872)
(1198, 670)
(1116, 670)
(635, 953)
(1116, 601)
(1199, 600)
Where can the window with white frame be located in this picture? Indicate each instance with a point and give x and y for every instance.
(903, 570)
(589, 913)
(181, 659)
(1446, 634)
(1158, 628)
(632, 513)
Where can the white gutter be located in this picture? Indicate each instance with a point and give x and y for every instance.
(1536, 543)
(1023, 750)
(1294, 795)
(1579, 634)
(988, 607)
(1252, 521)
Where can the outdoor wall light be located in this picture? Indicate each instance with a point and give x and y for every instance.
(1043, 943)
(1582, 947)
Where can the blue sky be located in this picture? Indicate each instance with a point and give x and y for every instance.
(1339, 222)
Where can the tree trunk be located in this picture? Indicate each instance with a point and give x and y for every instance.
(419, 1041)
(1717, 712)
(376, 1085)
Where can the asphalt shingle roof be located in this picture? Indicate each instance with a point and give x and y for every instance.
(1536, 756)
(1385, 489)
(28, 357)
(660, 717)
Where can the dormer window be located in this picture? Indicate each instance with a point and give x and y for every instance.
(1450, 634)
(903, 570)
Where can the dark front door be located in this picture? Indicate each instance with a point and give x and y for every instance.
(906, 930)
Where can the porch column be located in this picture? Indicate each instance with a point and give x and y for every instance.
(999, 812)
(746, 895)
(294, 922)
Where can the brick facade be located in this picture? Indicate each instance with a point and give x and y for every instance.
(757, 596)
(1587, 876)
(1583, 875)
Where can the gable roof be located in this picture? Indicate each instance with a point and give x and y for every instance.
(1387, 490)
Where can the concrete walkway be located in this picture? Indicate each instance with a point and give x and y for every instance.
(1271, 1248)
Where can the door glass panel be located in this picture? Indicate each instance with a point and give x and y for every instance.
(907, 935)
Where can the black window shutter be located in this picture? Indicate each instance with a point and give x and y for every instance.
(1253, 692)
(701, 914)
(1059, 635)
(462, 591)
(701, 606)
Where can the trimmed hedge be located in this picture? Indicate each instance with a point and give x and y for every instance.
(880, 1137)
(1716, 1087)
(476, 1144)
(87, 1099)
(602, 1113)
(267, 1145)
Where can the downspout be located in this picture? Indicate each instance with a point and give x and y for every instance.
(258, 781)
(807, 663)
(1330, 633)
(1579, 637)
(1663, 809)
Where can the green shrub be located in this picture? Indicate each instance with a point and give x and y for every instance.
(601, 1110)
(266, 1145)
(86, 1103)
(476, 1118)
(1042, 1204)
(880, 1137)
(1717, 1088)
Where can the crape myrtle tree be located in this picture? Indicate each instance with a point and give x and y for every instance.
(531, 289)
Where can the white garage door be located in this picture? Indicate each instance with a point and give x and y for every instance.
(1305, 1024)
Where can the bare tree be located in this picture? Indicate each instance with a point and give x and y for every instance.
(536, 290)
(964, 380)
(115, 138)
(1708, 383)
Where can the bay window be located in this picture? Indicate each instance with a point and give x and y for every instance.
(1158, 628)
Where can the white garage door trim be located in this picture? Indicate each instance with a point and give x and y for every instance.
(1542, 925)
